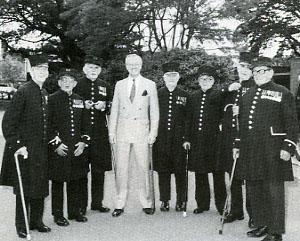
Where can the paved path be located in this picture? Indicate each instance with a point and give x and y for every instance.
(134, 225)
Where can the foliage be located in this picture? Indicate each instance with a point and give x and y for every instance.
(190, 61)
(173, 24)
(21, 19)
(12, 70)
(266, 20)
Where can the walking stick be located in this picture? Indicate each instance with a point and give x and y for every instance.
(152, 178)
(112, 153)
(186, 182)
(230, 183)
(28, 237)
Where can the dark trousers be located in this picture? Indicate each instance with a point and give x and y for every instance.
(164, 180)
(237, 198)
(202, 194)
(75, 193)
(267, 200)
(35, 210)
(97, 184)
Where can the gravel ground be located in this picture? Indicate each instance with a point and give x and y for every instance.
(134, 225)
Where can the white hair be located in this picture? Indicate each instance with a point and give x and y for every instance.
(129, 56)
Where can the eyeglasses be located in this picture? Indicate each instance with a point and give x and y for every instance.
(206, 79)
(66, 79)
(261, 71)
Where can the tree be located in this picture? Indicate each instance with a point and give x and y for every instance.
(12, 69)
(39, 18)
(103, 28)
(173, 24)
(263, 21)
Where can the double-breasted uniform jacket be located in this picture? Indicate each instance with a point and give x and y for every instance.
(134, 122)
(68, 125)
(204, 119)
(229, 125)
(168, 152)
(268, 124)
(99, 150)
(25, 124)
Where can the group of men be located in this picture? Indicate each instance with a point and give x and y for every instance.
(250, 124)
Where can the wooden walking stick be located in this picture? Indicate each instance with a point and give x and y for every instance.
(113, 160)
(152, 177)
(28, 237)
(225, 210)
(186, 183)
(235, 157)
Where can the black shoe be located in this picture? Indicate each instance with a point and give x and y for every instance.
(21, 232)
(79, 218)
(273, 237)
(180, 206)
(101, 209)
(42, 228)
(61, 221)
(200, 210)
(148, 211)
(229, 218)
(258, 232)
(164, 206)
(117, 212)
(251, 224)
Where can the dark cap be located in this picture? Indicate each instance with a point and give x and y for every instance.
(67, 72)
(262, 61)
(90, 59)
(246, 57)
(170, 67)
(206, 70)
(38, 59)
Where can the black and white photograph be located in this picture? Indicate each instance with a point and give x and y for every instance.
(153, 120)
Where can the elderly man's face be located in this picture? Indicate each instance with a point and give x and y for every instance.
(91, 71)
(67, 83)
(134, 65)
(262, 74)
(171, 79)
(206, 82)
(244, 71)
(39, 73)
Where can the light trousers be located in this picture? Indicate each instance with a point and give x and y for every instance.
(141, 152)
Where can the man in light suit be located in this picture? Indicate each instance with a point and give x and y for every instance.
(133, 126)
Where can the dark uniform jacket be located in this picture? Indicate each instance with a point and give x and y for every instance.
(67, 122)
(229, 125)
(25, 124)
(204, 119)
(268, 121)
(168, 152)
(99, 150)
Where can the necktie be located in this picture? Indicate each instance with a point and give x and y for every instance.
(132, 93)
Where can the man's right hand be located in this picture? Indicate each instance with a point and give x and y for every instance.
(112, 139)
(236, 153)
(235, 110)
(62, 149)
(186, 145)
(88, 104)
(22, 152)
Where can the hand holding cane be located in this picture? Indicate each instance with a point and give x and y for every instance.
(28, 237)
